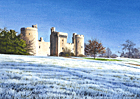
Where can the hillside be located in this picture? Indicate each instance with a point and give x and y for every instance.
(42, 77)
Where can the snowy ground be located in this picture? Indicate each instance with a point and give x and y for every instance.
(34, 77)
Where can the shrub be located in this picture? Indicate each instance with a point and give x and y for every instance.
(67, 55)
(81, 55)
(71, 54)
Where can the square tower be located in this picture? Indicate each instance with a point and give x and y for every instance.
(58, 42)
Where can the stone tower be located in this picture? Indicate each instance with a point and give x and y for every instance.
(31, 36)
(58, 42)
(78, 41)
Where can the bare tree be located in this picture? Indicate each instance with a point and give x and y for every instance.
(129, 45)
(94, 47)
(108, 52)
(135, 52)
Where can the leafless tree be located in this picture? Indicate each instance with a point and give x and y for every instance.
(129, 45)
(108, 52)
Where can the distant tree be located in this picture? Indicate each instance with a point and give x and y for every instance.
(135, 52)
(10, 43)
(93, 47)
(114, 56)
(122, 53)
(66, 52)
(108, 52)
(129, 45)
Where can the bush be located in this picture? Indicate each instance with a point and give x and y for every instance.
(114, 56)
(66, 52)
(67, 55)
(81, 55)
(71, 54)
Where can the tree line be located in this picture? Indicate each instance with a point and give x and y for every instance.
(129, 50)
(94, 48)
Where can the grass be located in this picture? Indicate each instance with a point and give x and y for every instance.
(103, 59)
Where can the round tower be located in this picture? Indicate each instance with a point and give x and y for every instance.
(31, 37)
(79, 45)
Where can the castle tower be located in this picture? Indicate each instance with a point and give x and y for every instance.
(78, 41)
(58, 41)
(53, 42)
(31, 36)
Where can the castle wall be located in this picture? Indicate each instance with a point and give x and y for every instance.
(44, 48)
(31, 36)
(70, 46)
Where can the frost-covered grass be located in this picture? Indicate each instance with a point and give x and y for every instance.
(34, 77)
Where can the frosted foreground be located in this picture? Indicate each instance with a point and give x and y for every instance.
(33, 77)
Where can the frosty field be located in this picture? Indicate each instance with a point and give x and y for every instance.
(36, 77)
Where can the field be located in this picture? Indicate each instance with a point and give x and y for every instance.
(36, 77)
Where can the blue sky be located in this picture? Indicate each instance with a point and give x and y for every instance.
(110, 21)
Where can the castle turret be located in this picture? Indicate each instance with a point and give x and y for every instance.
(31, 37)
(53, 29)
(34, 26)
(41, 39)
(73, 38)
(78, 41)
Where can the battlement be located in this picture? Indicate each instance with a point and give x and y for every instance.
(34, 26)
(41, 39)
(62, 34)
(70, 43)
(30, 28)
(81, 36)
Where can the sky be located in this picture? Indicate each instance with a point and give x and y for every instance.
(112, 22)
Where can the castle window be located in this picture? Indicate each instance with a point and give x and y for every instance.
(62, 40)
(29, 33)
(39, 46)
(78, 41)
(62, 48)
(29, 41)
(81, 46)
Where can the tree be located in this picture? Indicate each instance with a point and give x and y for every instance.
(129, 45)
(93, 47)
(114, 56)
(108, 52)
(10, 43)
(66, 52)
(135, 52)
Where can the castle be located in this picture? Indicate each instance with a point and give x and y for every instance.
(58, 41)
